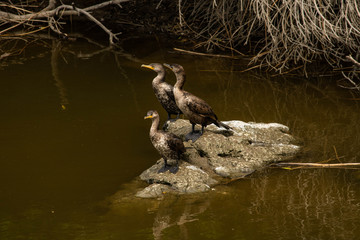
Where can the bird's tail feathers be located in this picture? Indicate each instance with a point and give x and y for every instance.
(220, 124)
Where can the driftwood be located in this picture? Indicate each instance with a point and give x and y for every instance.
(206, 54)
(49, 13)
(319, 165)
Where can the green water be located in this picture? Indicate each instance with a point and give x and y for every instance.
(73, 140)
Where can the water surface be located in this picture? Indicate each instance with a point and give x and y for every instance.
(73, 140)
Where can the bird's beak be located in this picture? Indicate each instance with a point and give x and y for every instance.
(147, 117)
(147, 66)
(167, 65)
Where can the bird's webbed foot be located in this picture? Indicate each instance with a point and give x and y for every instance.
(193, 136)
(171, 168)
(164, 168)
(169, 120)
(174, 169)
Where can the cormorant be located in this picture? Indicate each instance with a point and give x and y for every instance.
(194, 108)
(163, 90)
(167, 144)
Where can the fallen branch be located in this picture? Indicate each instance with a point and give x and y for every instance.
(205, 54)
(63, 10)
(50, 11)
(112, 36)
(318, 165)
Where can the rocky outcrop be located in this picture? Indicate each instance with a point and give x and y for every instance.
(220, 155)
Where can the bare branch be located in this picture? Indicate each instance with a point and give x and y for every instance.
(206, 54)
(50, 11)
(319, 165)
(52, 4)
(349, 57)
(90, 17)
(285, 33)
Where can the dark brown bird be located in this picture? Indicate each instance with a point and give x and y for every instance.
(167, 144)
(163, 90)
(194, 108)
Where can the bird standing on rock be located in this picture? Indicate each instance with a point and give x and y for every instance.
(194, 108)
(163, 90)
(167, 144)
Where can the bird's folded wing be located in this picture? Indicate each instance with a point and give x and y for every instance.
(199, 106)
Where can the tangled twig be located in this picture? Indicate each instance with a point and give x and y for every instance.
(51, 11)
(286, 32)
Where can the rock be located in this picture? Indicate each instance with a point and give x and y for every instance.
(220, 154)
(154, 190)
(189, 178)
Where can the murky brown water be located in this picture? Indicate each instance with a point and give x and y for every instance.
(73, 140)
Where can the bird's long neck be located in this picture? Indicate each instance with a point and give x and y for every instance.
(159, 78)
(154, 125)
(180, 81)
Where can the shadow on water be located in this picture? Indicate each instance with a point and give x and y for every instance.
(73, 140)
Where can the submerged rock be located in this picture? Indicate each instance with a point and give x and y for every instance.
(220, 154)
